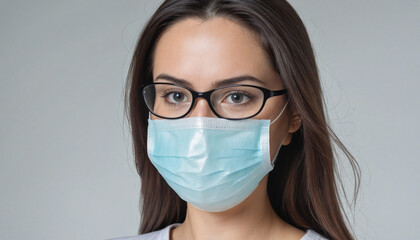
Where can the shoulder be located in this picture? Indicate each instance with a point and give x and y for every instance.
(312, 235)
(162, 234)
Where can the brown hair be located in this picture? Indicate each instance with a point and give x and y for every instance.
(302, 187)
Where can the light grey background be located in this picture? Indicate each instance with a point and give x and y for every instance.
(66, 167)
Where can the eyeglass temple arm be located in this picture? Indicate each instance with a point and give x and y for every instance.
(277, 93)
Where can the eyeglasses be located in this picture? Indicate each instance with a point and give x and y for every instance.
(234, 102)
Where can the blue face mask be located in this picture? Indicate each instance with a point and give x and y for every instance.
(211, 163)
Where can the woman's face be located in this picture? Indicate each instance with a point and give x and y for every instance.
(204, 53)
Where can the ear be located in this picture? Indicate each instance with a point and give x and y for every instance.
(294, 125)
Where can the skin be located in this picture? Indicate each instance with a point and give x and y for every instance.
(203, 53)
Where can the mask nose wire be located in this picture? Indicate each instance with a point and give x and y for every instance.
(280, 112)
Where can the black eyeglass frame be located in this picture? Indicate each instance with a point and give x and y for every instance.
(206, 95)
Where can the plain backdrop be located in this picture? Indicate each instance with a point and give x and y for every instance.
(66, 165)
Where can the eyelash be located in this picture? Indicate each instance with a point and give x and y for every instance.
(246, 94)
(169, 91)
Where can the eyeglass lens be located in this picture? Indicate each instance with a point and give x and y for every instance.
(230, 102)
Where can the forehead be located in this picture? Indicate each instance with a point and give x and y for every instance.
(203, 52)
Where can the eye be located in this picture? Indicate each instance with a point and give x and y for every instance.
(176, 97)
(237, 98)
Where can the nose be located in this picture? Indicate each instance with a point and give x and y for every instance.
(201, 108)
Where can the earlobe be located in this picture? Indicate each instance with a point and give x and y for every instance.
(287, 139)
(295, 122)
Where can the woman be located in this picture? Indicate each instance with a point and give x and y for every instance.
(229, 130)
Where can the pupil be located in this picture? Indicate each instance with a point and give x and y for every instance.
(178, 96)
(236, 98)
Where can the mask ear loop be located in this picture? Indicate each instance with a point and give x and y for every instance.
(150, 115)
(278, 150)
(273, 161)
(280, 112)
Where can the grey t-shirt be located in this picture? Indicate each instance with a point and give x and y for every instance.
(163, 234)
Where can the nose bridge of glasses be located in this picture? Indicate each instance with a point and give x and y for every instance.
(199, 107)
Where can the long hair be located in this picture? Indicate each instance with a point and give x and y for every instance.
(302, 187)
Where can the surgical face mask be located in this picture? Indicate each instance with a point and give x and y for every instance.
(211, 163)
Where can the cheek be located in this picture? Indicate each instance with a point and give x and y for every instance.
(278, 129)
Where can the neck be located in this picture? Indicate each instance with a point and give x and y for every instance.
(253, 218)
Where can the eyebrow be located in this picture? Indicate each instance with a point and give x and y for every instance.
(220, 83)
